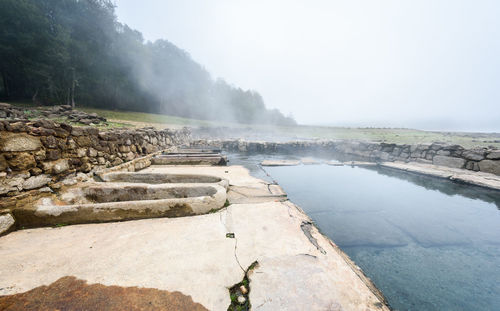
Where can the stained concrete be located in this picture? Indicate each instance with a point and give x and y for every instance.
(69, 293)
(193, 255)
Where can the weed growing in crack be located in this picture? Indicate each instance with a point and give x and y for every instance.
(239, 293)
(215, 210)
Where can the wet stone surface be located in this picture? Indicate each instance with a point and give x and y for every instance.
(70, 293)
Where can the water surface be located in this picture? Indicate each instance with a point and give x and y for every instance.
(428, 244)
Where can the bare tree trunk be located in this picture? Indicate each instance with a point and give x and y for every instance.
(5, 85)
(34, 99)
(73, 82)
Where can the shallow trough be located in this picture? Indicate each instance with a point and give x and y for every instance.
(191, 157)
(189, 160)
(155, 178)
(125, 196)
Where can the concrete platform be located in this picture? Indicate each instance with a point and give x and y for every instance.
(465, 176)
(299, 269)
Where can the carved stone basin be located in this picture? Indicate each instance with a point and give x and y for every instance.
(127, 196)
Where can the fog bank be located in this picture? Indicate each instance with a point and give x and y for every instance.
(344, 62)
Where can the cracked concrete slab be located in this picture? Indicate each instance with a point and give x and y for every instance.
(190, 255)
(294, 273)
(198, 256)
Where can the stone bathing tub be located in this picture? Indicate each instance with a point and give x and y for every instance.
(153, 178)
(127, 196)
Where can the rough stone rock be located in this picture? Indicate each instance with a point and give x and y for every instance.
(11, 184)
(70, 180)
(404, 155)
(85, 121)
(11, 142)
(81, 152)
(86, 167)
(6, 223)
(53, 154)
(83, 141)
(495, 155)
(3, 163)
(21, 161)
(50, 142)
(35, 171)
(490, 166)
(448, 161)
(101, 160)
(40, 155)
(130, 156)
(36, 182)
(77, 131)
(124, 149)
(443, 152)
(117, 161)
(384, 156)
(92, 152)
(56, 167)
(474, 155)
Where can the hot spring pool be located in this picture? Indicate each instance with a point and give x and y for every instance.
(428, 244)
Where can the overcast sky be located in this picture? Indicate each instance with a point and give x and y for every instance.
(431, 64)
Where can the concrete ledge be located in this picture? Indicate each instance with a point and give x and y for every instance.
(280, 163)
(481, 179)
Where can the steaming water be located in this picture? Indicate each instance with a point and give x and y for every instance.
(428, 244)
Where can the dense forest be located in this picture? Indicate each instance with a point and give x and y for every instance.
(75, 51)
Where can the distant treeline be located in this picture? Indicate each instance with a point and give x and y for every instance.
(75, 51)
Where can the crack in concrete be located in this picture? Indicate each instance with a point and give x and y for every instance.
(240, 193)
(228, 230)
(308, 255)
(267, 174)
(269, 196)
(289, 207)
(236, 254)
(306, 227)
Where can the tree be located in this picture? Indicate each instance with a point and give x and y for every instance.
(75, 51)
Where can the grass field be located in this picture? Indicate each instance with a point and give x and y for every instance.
(390, 135)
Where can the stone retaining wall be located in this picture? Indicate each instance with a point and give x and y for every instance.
(479, 159)
(34, 154)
